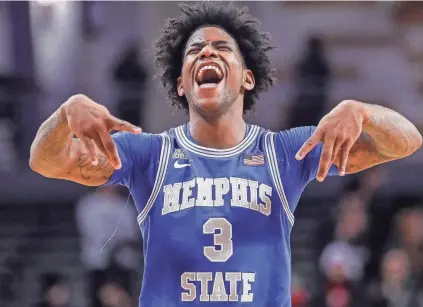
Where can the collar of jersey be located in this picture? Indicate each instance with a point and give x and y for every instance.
(187, 144)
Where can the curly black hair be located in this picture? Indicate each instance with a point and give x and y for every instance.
(252, 43)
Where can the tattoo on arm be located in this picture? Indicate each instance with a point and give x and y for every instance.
(386, 136)
(52, 138)
(393, 135)
(86, 169)
(56, 153)
(364, 154)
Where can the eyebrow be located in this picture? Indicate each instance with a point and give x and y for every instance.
(203, 43)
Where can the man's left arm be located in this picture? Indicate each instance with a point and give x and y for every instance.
(357, 136)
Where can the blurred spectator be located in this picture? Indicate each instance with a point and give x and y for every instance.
(348, 224)
(397, 289)
(373, 213)
(343, 249)
(130, 77)
(97, 216)
(126, 258)
(352, 222)
(55, 291)
(312, 80)
(341, 261)
(342, 267)
(380, 213)
(299, 293)
(409, 236)
(113, 294)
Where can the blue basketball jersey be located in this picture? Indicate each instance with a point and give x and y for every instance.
(216, 223)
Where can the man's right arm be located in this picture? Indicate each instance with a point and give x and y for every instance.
(56, 153)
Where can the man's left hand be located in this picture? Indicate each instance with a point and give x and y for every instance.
(338, 131)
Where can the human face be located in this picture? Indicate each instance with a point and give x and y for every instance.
(58, 295)
(213, 75)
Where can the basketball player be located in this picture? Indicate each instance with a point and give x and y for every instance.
(216, 196)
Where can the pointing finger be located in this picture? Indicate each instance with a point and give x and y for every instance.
(344, 157)
(309, 145)
(325, 158)
(100, 146)
(89, 145)
(336, 148)
(110, 148)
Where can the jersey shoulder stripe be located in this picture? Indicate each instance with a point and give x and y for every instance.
(276, 177)
(160, 176)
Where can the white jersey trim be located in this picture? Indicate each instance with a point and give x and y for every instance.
(187, 144)
(269, 145)
(160, 176)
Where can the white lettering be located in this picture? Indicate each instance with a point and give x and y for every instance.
(219, 292)
(191, 282)
(204, 192)
(253, 195)
(247, 279)
(244, 193)
(171, 198)
(233, 278)
(265, 191)
(204, 278)
(186, 283)
(239, 192)
(186, 193)
(221, 188)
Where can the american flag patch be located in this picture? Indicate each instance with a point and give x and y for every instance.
(254, 160)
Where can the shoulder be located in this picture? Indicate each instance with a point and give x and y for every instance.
(288, 135)
(288, 142)
(138, 142)
(295, 134)
(137, 149)
(131, 139)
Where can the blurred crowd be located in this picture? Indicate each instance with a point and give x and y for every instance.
(369, 247)
(369, 250)
(110, 252)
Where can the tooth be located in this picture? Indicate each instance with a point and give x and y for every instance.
(215, 68)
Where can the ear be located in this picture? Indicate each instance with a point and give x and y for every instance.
(179, 86)
(249, 81)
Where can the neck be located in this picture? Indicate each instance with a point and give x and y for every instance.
(221, 132)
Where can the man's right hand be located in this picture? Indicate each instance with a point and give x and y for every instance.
(92, 123)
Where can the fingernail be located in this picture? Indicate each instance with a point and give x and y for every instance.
(342, 173)
(94, 162)
(298, 156)
(138, 130)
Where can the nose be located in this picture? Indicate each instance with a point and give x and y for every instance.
(208, 51)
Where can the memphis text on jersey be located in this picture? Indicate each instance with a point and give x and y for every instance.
(210, 192)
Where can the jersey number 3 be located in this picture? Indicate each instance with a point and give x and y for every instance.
(221, 230)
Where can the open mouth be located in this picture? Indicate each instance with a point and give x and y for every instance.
(209, 75)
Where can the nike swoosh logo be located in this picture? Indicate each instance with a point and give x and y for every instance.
(177, 165)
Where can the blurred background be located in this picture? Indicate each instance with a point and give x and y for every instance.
(358, 240)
